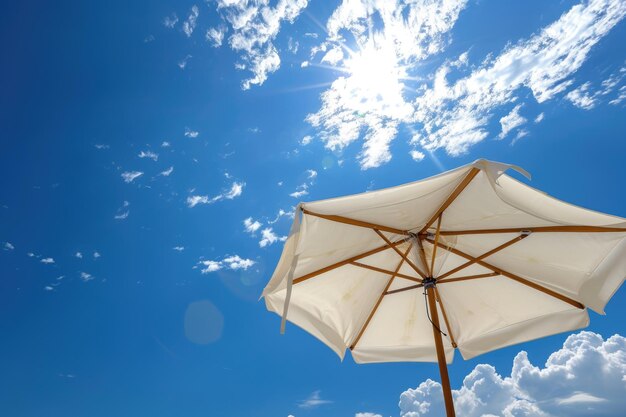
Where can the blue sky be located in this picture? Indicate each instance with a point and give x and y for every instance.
(138, 137)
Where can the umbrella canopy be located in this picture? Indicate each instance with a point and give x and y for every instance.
(471, 259)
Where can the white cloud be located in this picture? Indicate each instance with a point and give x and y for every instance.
(235, 190)
(251, 225)
(417, 155)
(170, 21)
(312, 174)
(582, 98)
(30, 255)
(367, 415)
(96, 255)
(122, 216)
(178, 248)
(233, 262)
(86, 276)
(281, 213)
(130, 176)
(215, 36)
(314, 401)
(584, 378)
(149, 155)
(167, 172)
(191, 133)
(100, 146)
(511, 121)
(190, 24)
(165, 144)
(370, 101)
(454, 117)
(47, 261)
(182, 64)
(79, 255)
(301, 190)
(268, 237)
(539, 118)
(306, 140)
(254, 27)
(8, 246)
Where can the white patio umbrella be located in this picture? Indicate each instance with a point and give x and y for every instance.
(471, 259)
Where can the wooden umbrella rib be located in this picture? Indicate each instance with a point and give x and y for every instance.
(406, 259)
(489, 275)
(385, 271)
(347, 261)
(432, 262)
(412, 287)
(512, 276)
(541, 229)
(354, 222)
(481, 257)
(445, 317)
(459, 188)
(380, 299)
(423, 255)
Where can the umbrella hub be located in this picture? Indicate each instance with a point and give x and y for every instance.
(429, 282)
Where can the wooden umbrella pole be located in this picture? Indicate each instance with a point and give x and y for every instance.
(441, 355)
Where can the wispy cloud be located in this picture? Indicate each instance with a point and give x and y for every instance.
(251, 225)
(8, 246)
(235, 190)
(130, 176)
(170, 21)
(86, 276)
(167, 172)
(370, 101)
(215, 36)
(101, 146)
(190, 24)
(254, 26)
(178, 248)
(314, 400)
(149, 155)
(233, 262)
(301, 190)
(47, 260)
(191, 133)
(511, 121)
(182, 64)
(78, 255)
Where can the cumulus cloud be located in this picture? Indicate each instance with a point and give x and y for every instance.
(178, 248)
(254, 27)
(584, 378)
(78, 255)
(190, 24)
(367, 415)
(268, 237)
(313, 401)
(8, 246)
(233, 262)
(370, 102)
(235, 190)
(306, 140)
(130, 176)
(47, 261)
